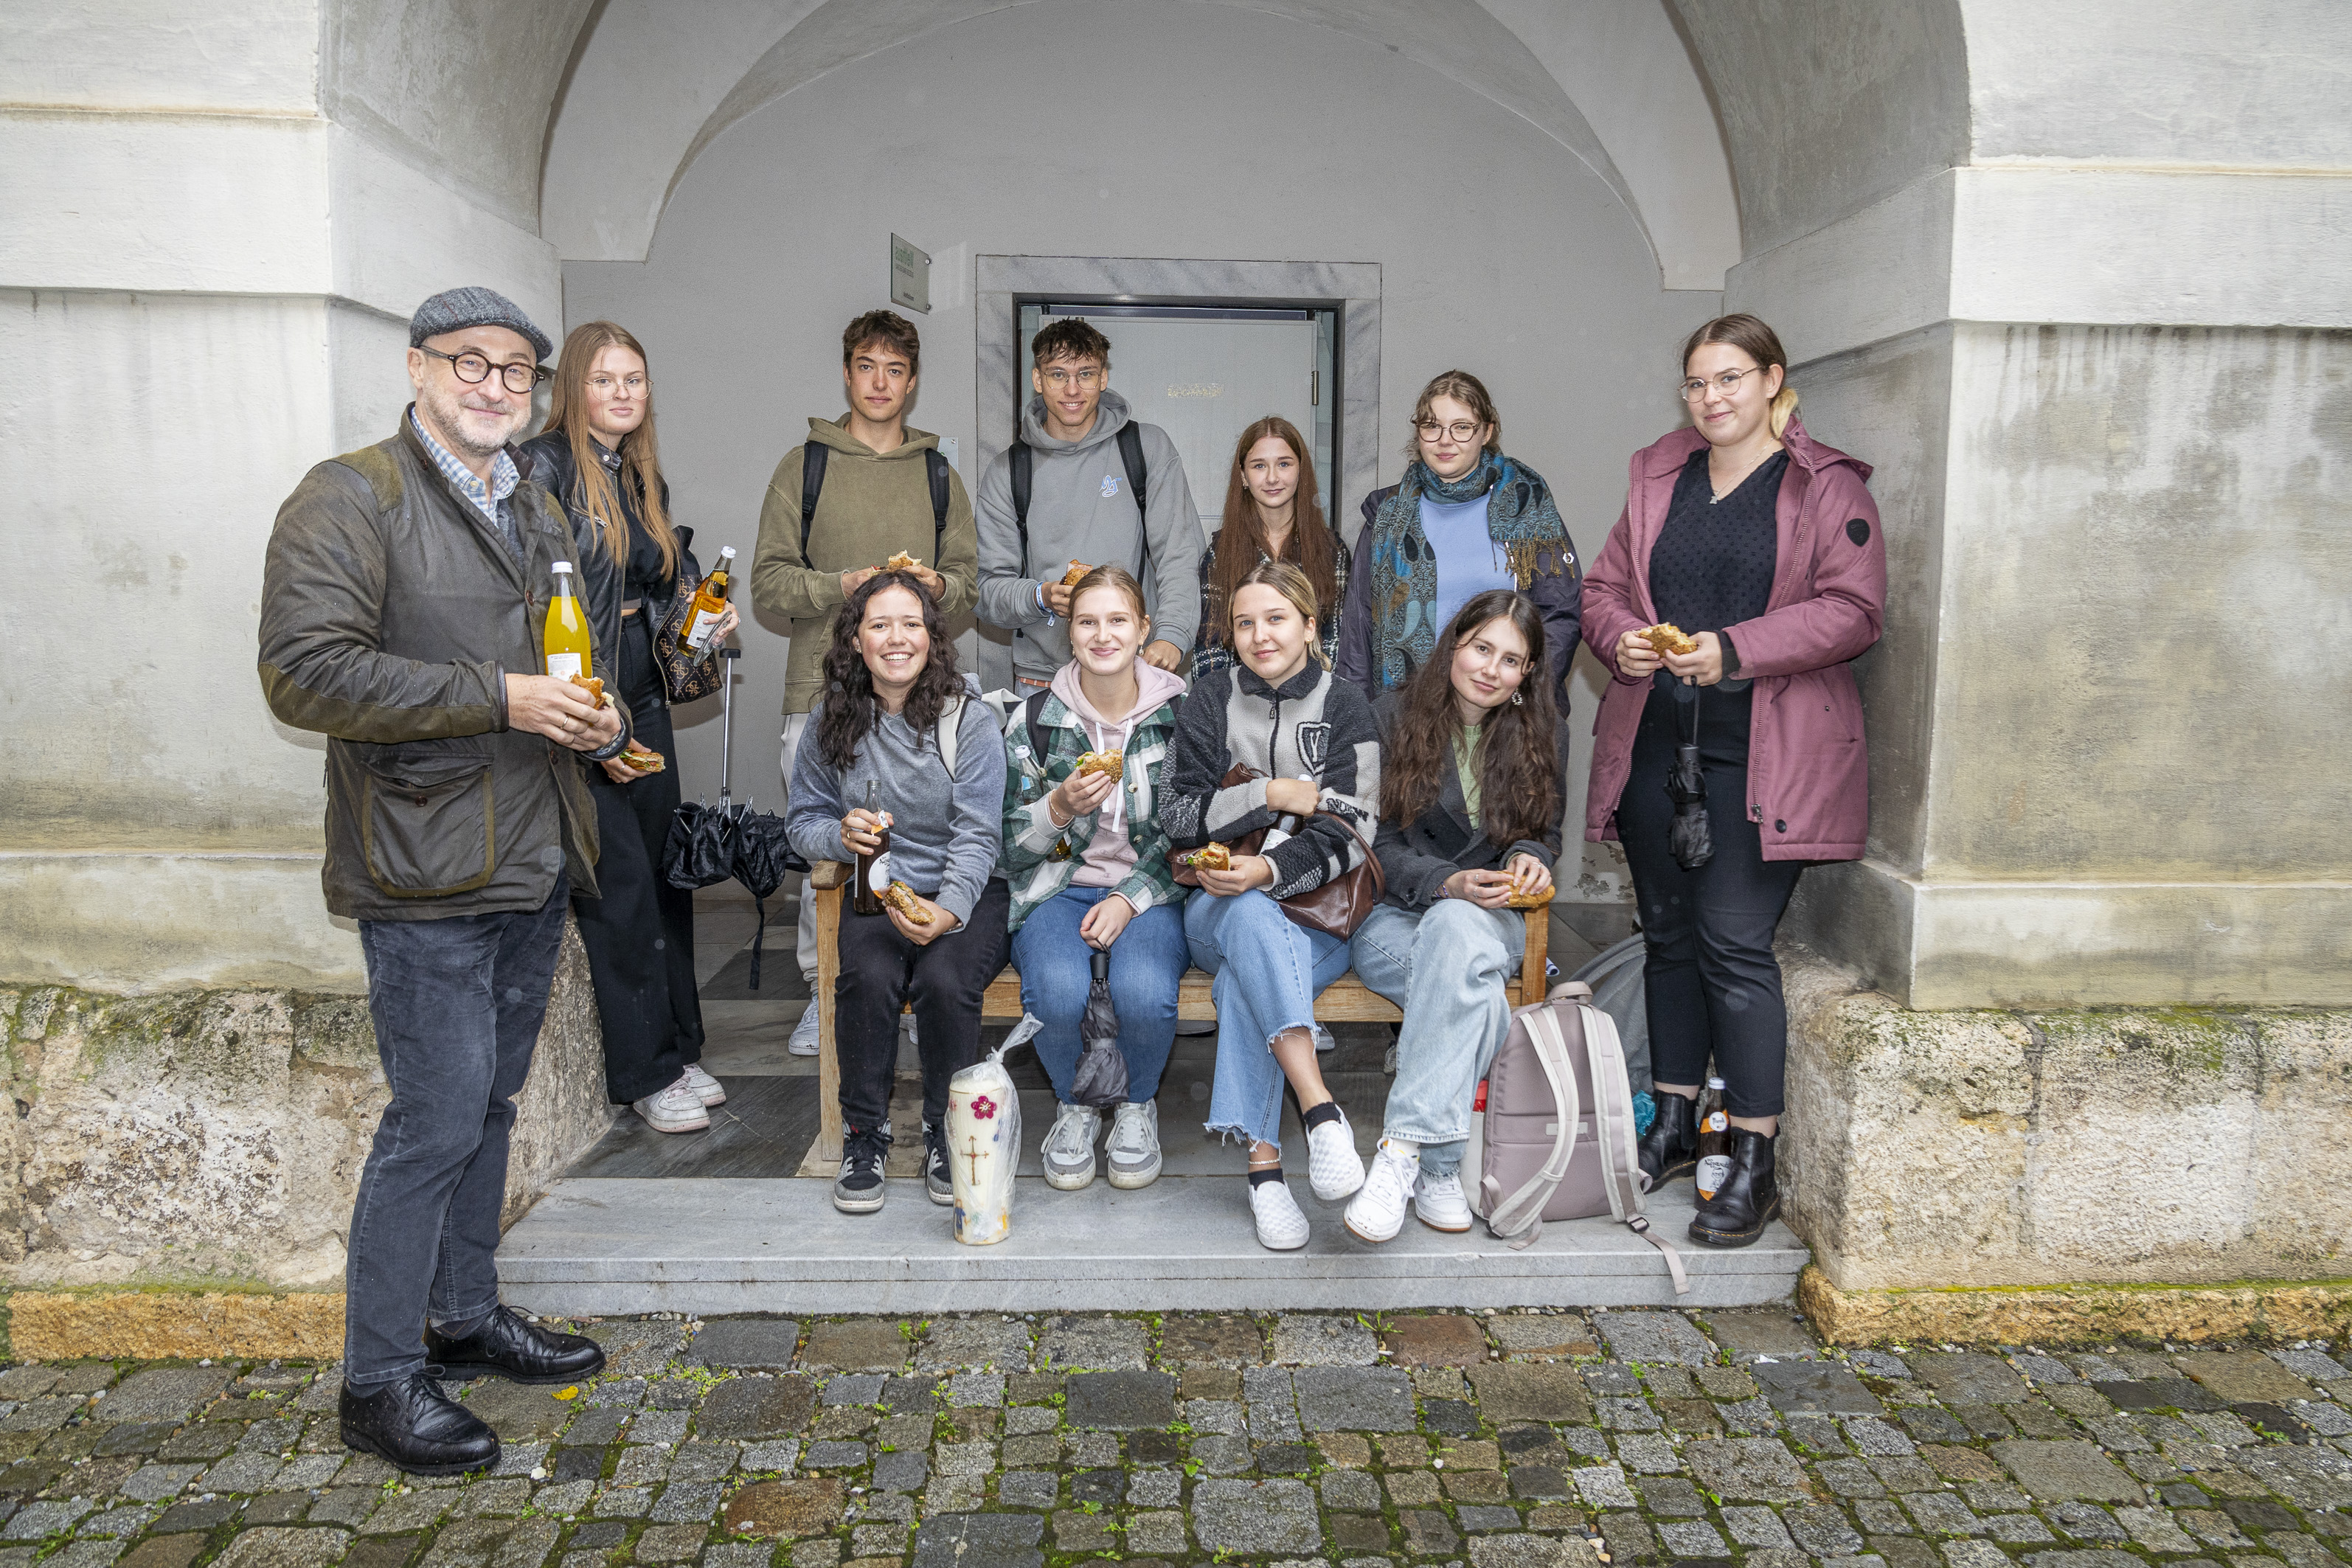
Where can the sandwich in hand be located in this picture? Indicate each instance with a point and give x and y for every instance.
(593, 686)
(1518, 900)
(1111, 763)
(645, 761)
(902, 898)
(899, 563)
(1208, 857)
(1668, 638)
(1079, 569)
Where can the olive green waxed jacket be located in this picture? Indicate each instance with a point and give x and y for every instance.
(392, 612)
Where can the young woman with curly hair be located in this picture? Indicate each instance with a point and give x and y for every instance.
(897, 713)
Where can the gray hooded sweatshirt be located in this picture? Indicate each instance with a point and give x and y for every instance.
(1080, 509)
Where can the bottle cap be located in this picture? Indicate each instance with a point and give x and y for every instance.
(726, 552)
(1716, 1083)
(559, 566)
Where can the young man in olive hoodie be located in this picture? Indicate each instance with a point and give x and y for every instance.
(874, 500)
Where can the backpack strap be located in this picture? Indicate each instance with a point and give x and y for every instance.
(1033, 719)
(1130, 456)
(949, 732)
(935, 465)
(1022, 460)
(812, 486)
(1517, 1218)
(1612, 1123)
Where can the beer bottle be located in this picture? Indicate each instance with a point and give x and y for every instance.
(710, 603)
(564, 637)
(1714, 1142)
(873, 870)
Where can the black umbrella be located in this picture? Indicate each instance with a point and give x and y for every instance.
(709, 843)
(1101, 1078)
(1691, 835)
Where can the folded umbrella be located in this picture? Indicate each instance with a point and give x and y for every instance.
(1690, 835)
(760, 860)
(1100, 1080)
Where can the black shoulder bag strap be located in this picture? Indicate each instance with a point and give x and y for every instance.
(935, 465)
(812, 486)
(1020, 459)
(1139, 479)
(1033, 718)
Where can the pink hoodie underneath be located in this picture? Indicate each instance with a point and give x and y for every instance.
(1110, 854)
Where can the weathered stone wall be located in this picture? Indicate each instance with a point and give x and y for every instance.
(1990, 1148)
(213, 1137)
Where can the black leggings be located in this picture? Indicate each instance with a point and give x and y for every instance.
(640, 934)
(882, 972)
(1712, 984)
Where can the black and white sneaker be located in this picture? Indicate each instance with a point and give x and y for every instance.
(858, 1189)
(936, 1181)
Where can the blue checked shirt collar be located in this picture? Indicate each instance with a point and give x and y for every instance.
(489, 499)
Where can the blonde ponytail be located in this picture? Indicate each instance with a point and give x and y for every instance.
(1784, 408)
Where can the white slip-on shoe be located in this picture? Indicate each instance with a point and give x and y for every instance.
(1377, 1213)
(677, 1109)
(1334, 1169)
(1440, 1204)
(703, 1084)
(1132, 1153)
(1281, 1228)
(803, 1040)
(1070, 1147)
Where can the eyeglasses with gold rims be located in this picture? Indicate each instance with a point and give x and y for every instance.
(1726, 382)
(473, 370)
(604, 385)
(1461, 430)
(1086, 376)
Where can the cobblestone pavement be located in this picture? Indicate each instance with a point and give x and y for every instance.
(1501, 1440)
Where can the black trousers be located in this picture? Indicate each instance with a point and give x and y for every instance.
(882, 972)
(640, 934)
(1712, 985)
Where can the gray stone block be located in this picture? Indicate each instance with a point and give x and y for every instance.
(1813, 1387)
(780, 1456)
(1480, 1519)
(974, 1390)
(2089, 1521)
(2057, 1470)
(1757, 1469)
(1124, 1401)
(1273, 1405)
(1653, 1337)
(1354, 1399)
(975, 1343)
(1102, 1343)
(1822, 1530)
(1869, 1434)
(1692, 1538)
(162, 1393)
(1755, 1527)
(1649, 1453)
(1028, 1488)
(749, 1408)
(854, 1388)
(1941, 1513)
(1155, 1489)
(1222, 1456)
(1317, 1339)
(2024, 1530)
(906, 1471)
(981, 1540)
(281, 1548)
(1255, 1517)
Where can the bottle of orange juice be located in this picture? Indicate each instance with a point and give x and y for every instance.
(710, 603)
(565, 639)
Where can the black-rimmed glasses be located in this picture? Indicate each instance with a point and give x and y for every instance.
(473, 370)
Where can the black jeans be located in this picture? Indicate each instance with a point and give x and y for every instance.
(456, 1004)
(640, 934)
(881, 972)
(1712, 985)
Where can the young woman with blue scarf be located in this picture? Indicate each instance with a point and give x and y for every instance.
(1465, 519)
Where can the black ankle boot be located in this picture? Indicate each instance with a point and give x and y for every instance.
(1749, 1199)
(1670, 1148)
(415, 1426)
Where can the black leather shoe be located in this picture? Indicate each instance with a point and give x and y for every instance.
(1749, 1199)
(1670, 1148)
(503, 1345)
(411, 1424)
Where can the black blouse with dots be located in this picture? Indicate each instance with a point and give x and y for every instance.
(1712, 568)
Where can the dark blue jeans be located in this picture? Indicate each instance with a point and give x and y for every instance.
(456, 1004)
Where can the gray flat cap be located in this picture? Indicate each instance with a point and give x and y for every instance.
(455, 309)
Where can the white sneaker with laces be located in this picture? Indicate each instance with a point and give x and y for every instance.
(1378, 1212)
(1440, 1204)
(703, 1084)
(1334, 1169)
(677, 1109)
(1281, 1228)
(1070, 1147)
(1132, 1151)
(803, 1040)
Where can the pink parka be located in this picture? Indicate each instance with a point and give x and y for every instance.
(1807, 775)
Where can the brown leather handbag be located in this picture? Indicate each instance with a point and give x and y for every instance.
(1338, 907)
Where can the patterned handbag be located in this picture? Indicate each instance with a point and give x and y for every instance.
(686, 675)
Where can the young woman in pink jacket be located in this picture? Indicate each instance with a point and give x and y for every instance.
(1763, 546)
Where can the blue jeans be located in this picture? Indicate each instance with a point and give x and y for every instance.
(456, 1004)
(1147, 963)
(1277, 971)
(1450, 969)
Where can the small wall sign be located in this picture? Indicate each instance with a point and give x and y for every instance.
(910, 275)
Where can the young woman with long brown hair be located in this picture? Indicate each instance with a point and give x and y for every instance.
(598, 454)
(1273, 512)
(1473, 753)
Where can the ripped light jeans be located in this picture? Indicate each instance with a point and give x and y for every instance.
(1450, 970)
(1268, 972)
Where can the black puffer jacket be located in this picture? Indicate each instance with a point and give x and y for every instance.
(547, 458)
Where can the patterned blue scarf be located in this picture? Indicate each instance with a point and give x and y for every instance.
(1521, 521)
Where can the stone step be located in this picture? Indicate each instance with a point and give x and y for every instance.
(599, 1246)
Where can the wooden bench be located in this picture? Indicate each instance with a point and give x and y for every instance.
(1346, 1000)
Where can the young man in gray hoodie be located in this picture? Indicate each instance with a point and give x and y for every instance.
(1083, 507)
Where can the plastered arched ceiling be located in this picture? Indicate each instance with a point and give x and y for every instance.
(646, 95)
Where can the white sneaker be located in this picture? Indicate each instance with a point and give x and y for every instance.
(803, 1040)
(1070, 1147)
(1378, 1213)
(1440, 1204)
(677, 1109)
(1334, 1169)
(1133, 1151)
(703, 1084)
(1281, 1228)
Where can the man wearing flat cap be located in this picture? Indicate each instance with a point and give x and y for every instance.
(401, 616)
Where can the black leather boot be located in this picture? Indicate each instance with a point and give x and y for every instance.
(1670, 1148)
(1749, 1199)
(411, 1424)
(503, 1345)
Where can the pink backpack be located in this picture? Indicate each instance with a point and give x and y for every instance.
(1551, 1129)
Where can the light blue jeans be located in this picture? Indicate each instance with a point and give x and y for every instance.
(1147, 964)
(1268, 972)
(1450, 970)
